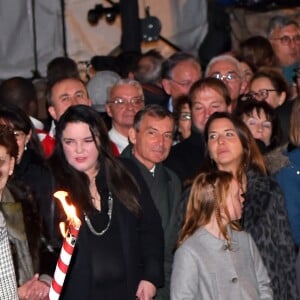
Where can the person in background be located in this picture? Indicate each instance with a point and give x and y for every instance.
(21, 92)
(288, 175)
(148, 73)
(258, 51)
(126, 63)
(151, 139)
(288, 179)
(214, 258)
(269, 85)
(232, 148)
(284, 35)
(262, 121)
(23, 224)
(248, 71)
(61, 67)
(30, 169)
(101, 63)
(63, 93)
(119, 250)
(98, 87)
(183, 118)
(227, 68)
(178, 74)
(206, 96)
(125, 99)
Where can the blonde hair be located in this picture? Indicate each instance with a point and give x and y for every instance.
(207, 199)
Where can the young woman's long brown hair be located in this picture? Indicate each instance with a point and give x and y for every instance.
(251, 159)
(208, 199)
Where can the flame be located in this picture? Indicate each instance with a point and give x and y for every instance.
(69, 209)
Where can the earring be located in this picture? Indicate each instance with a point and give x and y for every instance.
(10, 172)
(25, 147)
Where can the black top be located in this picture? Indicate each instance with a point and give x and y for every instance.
(34, 172)
(111, 266)
(284, 114)
(186, 157)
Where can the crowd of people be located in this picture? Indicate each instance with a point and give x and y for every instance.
(185, 177)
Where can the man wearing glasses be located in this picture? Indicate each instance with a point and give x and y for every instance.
(227, 68)
(284, 35)
(179, 72)
(125, 99)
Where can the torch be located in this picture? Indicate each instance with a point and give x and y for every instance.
(70, 237)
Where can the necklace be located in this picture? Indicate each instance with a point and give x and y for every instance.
(109, 213)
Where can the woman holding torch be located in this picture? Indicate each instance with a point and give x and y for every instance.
(119, 251)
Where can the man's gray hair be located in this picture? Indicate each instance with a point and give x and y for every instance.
(221, 58)
(126, 81)
(280, 22)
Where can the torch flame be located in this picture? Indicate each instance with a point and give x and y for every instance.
(69, 209)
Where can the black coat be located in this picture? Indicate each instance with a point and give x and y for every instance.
(140, 249)
(186, 157)
(35, 174)
(265, 218)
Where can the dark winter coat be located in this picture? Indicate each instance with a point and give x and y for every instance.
(265, 218)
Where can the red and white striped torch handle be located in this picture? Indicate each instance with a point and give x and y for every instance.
(63, 263)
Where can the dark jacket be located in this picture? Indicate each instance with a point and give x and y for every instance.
(284, 115)
(289, 180)
(186, 157)
(265, 218)
(35, 174)
(140, 251)
(165, 189)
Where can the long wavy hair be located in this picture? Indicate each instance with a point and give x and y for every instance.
(251, 157)
(120, 183)
(208, 199)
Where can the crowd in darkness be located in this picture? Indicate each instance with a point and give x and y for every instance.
(185, 176)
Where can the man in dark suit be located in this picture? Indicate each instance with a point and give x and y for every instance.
(151, 138)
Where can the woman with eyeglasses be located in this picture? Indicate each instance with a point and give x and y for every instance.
(269, 85)
(232, 148)
(119, 251)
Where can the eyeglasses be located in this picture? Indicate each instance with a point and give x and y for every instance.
(286, 40)
(184, 84)
(122, 102)
(230, 76)
(185, 116)
(261, 94)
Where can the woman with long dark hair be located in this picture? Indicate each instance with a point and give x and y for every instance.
(232, 148)
(119, 251)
